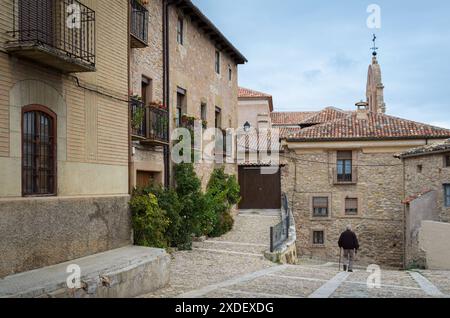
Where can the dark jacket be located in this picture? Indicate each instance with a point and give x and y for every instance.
(348, 241)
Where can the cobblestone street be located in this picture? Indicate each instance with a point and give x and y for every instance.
(233, 266)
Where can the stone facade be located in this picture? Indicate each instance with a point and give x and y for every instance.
(148, 63)
(428, 173)
(425, 177)
(192, 69)
(379, 222)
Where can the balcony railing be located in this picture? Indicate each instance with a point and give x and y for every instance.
(345, 178)
(57, 33)
(149, 124)
(138, 25)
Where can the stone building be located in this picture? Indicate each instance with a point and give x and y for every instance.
(427, 195)
(150, 127)
(341, 170)
(63, 132)
(258, 152)
(202, 74)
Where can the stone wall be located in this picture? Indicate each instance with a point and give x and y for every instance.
(44, 231)
(148, 62)
(192, 68)
(379, 223)
(432, 177)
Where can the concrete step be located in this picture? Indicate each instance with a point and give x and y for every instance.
(125, 272)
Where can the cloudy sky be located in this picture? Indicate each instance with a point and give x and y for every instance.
(310, 54)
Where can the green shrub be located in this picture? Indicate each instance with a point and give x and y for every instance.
(197, 215)
(150, 222)
(223, 192)
(168, 201)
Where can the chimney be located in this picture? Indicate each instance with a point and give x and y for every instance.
(362, 110)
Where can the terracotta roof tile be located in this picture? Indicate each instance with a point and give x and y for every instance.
(374, 126)
(428, 149)
(249, 93)
(290, 118)
(326, 115)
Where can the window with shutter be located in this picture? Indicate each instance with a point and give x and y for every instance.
(351, 206)
(320, 206)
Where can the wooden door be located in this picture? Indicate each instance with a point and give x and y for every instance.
(144, 178)
(258, 190)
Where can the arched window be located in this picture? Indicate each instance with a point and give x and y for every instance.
(38, 151)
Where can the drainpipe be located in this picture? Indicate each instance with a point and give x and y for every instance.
(130, 145)
(166, 85)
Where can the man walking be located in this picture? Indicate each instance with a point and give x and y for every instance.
(349, 242)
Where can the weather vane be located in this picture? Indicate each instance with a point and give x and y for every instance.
(374, 49)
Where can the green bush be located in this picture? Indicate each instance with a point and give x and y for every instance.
(172, 217)
(198, 217)
(150, 222)
(168, 201)
(222, 193)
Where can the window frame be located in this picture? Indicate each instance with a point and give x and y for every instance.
(447, 195)
(54, 129)
(314, 207)
(217, 61)
(345, 163)
(346, 209)
(313, 238)
(447, 160)
(180, 30)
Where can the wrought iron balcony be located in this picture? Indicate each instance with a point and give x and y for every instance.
(138, 25)
(345, 178)
(56, 33)
(150, 125)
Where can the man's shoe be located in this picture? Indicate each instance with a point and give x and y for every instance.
(350, 271)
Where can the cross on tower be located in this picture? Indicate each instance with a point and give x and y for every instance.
(374, 48)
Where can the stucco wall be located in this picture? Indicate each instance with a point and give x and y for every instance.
(44, 231)
(423, 208)
(434, 238)
(92, 128)
(249, 109)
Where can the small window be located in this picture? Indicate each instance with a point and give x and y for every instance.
(318, 237)
(447, 194)
(180, 31)
(447, 160)
(203, 112)
(217, 62)
(218, 119)
(419, 168)
(351, 206)
(230, 74)
(320, 207)
(181, 106)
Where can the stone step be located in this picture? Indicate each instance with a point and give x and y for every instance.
(251, 248)
(125, 272)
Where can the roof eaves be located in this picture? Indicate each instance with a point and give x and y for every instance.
(238, 56)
